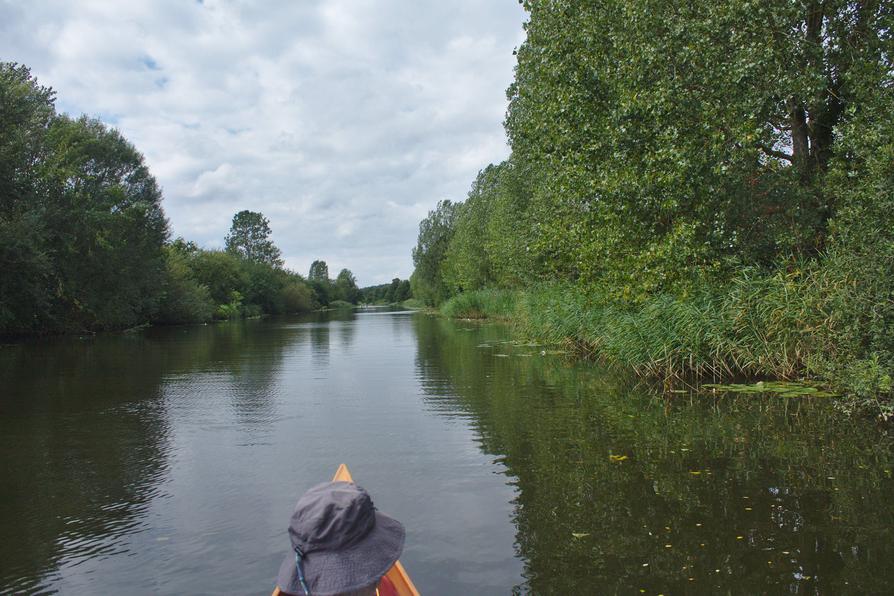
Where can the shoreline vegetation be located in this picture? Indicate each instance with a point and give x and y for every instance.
(685, 198)
(85, 245)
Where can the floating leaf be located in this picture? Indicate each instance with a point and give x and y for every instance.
(781, 388)
(580, 534)
(617, 458)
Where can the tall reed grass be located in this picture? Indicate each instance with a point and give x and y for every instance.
(785, 325)
(757, 326)
(481, 304)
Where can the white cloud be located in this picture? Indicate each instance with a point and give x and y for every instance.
(343, 121)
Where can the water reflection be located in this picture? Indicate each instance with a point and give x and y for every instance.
(631, 493)
(85, 435)
(84, 440)
(168, 462)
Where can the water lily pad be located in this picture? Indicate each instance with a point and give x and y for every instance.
(781, 388)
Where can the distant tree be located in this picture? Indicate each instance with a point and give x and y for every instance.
(296, 297)
(318, 278)
(184, 299)
(391, 294)
(435, 233)
(221, 272)
(346, 287)
(319, 272)
(249, 238)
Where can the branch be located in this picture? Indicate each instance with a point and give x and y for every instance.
(774, 153)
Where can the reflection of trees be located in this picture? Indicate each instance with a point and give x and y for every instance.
(319, 345)
(84, 431)
(250, 353)
(742, 486)
(346, 329)
(83, 438)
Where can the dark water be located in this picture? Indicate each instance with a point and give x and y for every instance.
(168, 462)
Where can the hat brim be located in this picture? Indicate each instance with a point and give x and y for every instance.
(353, 568)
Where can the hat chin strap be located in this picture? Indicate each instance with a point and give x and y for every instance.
(299, 565)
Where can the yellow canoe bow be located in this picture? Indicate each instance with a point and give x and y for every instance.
(397, 574)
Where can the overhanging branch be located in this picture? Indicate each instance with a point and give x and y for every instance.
(774, 153)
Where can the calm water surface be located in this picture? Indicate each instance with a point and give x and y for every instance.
(169, 461)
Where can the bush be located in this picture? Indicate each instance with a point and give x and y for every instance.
(340, 304)
(184, 299)
(296, 297)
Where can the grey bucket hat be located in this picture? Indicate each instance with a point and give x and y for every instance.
(339, 541)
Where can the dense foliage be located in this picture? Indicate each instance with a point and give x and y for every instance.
(667, 154)
(249, 238)
(81, 224)
(435, 233)
(84, 242)
(393, 293)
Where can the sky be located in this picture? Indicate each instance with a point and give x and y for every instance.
(343, 121)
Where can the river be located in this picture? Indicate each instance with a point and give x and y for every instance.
(168, 461)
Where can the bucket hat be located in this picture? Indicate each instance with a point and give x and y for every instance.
(340, 542)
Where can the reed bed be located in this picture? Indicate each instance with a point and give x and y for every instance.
(758, 326)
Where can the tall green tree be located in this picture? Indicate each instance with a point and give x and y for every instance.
(318, 278)
(490, 244)
(346, 287)
(403, 291)
(435, 233)
(249, 238)
(319, 272)
(110, 227)
(26, 112)
(670, 142)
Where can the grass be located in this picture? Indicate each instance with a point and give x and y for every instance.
(782, 326)
(481, 304)
(757, 326)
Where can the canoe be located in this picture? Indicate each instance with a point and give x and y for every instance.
(397, 574)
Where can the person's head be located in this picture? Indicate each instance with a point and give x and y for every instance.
(340, 544)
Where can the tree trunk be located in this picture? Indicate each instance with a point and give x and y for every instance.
(800, 139)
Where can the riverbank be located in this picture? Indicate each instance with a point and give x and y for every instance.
(773, 327)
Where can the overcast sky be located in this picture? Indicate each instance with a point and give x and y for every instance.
(343, 121)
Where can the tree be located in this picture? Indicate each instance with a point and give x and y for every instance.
(26, 111)
(108, 227)
(346, 287)
(403, 291)
(391, 292)
(249, 238)
(319, 272)
(184, 299)
(296, 297)
(671, 142)
(221, 272)
(435, 234)
(318, 278)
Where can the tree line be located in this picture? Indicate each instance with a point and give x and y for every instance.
(85, 244)
(667, 156)
(391, 293)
